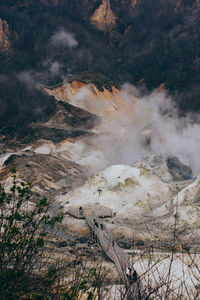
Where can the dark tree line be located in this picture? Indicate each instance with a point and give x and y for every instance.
(157, 42)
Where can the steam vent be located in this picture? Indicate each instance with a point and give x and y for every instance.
(99, 149)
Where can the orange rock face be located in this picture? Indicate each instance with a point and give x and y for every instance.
(103, 17)
(108, 105)
(134, 3)
(4, 36)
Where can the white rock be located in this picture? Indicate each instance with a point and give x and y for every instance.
(129, 191)
(167, 168)
(46, 148)
(186, 205)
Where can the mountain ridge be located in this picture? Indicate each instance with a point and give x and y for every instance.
(146, 41)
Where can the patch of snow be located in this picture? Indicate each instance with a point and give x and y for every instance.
(82, 153)
(95, 161)
(27, 148)
(4, 157)
(69, 149)
(46, 148)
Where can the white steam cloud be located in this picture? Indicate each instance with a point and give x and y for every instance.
(154, 127)
(64, 38)
(55, 68)
(29, 79)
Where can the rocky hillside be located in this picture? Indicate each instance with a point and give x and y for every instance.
(148, 42)
(144, 201)
(60, 148)
(66, 115)
(65, 155)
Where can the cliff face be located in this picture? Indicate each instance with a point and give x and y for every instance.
(152, 41)
(107, 105)
(134, 3)
(5, 44)
(58, 152)
(104, 18)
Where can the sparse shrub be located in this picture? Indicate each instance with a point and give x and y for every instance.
(23, 227)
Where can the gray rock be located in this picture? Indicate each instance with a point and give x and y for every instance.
(178, 170)
(168, 169)
(62, 244)
(48, 173)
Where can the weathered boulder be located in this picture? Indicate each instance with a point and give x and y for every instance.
(185, 207)
(168, 169)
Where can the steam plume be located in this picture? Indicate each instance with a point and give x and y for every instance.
(154, 128)
(64, 38)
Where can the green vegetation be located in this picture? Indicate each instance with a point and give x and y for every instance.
(26, 267)
(23, 228)
(27, 271)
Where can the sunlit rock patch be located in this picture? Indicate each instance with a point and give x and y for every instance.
(5, 43)
(104, 18)
(129, 191)
(184, 207)
(47, 173)
(107, 105)
(167, 168)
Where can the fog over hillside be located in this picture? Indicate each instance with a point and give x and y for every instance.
(100, 129)
(134, 125)
(155, 127)
(147, 49)
(142, 42)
